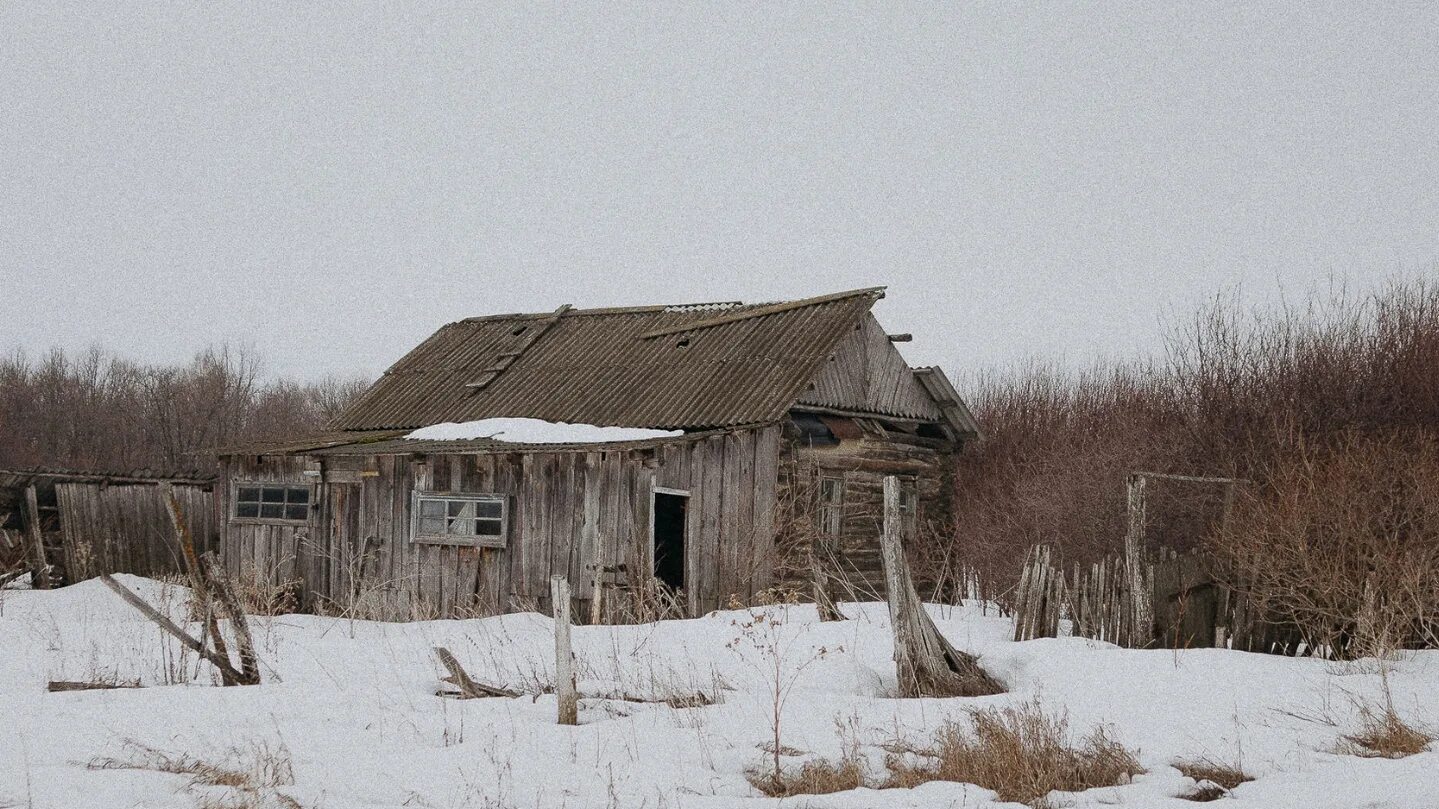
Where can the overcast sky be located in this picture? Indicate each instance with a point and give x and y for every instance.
(1029, 180)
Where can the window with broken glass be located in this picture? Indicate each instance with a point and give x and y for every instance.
(479, 520)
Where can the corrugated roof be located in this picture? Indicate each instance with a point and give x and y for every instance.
(669, 367)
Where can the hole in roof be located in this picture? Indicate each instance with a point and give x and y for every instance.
(683, 342)
(519, 330)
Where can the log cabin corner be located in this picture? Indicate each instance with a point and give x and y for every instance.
(788, 415)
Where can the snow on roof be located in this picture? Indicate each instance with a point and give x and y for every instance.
(536, 431)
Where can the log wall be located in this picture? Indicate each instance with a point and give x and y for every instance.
(924, 467)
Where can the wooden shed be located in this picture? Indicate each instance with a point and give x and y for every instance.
(787, 417)
(75, 525)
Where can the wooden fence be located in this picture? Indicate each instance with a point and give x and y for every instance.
(1184, 605)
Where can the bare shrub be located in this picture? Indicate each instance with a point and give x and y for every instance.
(780, 658)
(1383, 734)
(1021, 752)
(1341, 540)
(1235, 396)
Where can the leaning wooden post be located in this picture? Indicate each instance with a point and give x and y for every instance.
(565, 692)
(199, 586)
(926, 664)
(39, 567)
(1141, 609)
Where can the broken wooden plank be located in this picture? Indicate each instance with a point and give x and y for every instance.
(223, 664)
(470, 688)
(74, 685)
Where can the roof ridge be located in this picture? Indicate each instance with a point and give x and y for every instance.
(679, 308)
(768, 309)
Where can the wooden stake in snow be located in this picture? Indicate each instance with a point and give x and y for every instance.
(198, 587)
(565, 693)
(927, 665)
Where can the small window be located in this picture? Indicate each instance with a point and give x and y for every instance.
(461, 519)
(831, 505)
(272, 501)
(908, 508)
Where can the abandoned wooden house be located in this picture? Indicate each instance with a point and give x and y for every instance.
(65, 526)
(784, 418)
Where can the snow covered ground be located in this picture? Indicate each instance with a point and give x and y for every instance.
(351, 706)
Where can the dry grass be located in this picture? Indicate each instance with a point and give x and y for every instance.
(251, 775)
(1215, 778)
(819, 777)
(262, 594)
(1228, 776)
(1020, 752)
(1383, 734)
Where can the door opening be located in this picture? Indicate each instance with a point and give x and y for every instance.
(669, 533)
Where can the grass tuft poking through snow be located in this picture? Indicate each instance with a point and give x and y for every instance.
(1215, 778)
(819, 777)
(1021, 752)
(251, 774)
(1383, 734)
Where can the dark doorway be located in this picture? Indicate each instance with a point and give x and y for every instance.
(670, 538)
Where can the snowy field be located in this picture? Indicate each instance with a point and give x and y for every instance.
(348, 712)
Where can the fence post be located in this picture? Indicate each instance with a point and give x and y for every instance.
(1142, 626)
(565, 693)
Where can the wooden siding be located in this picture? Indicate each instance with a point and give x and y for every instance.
(569, 511)
(867, 374)
(127, 528)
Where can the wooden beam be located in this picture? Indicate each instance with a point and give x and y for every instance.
(226, 668)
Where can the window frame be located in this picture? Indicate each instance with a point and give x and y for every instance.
(909, 512)
(237, 485)
(829, 511)
(502, 540)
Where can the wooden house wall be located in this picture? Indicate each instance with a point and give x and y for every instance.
(270, 552)
(569, 510)
(117, 528)
(867, 374)
(862, 465)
